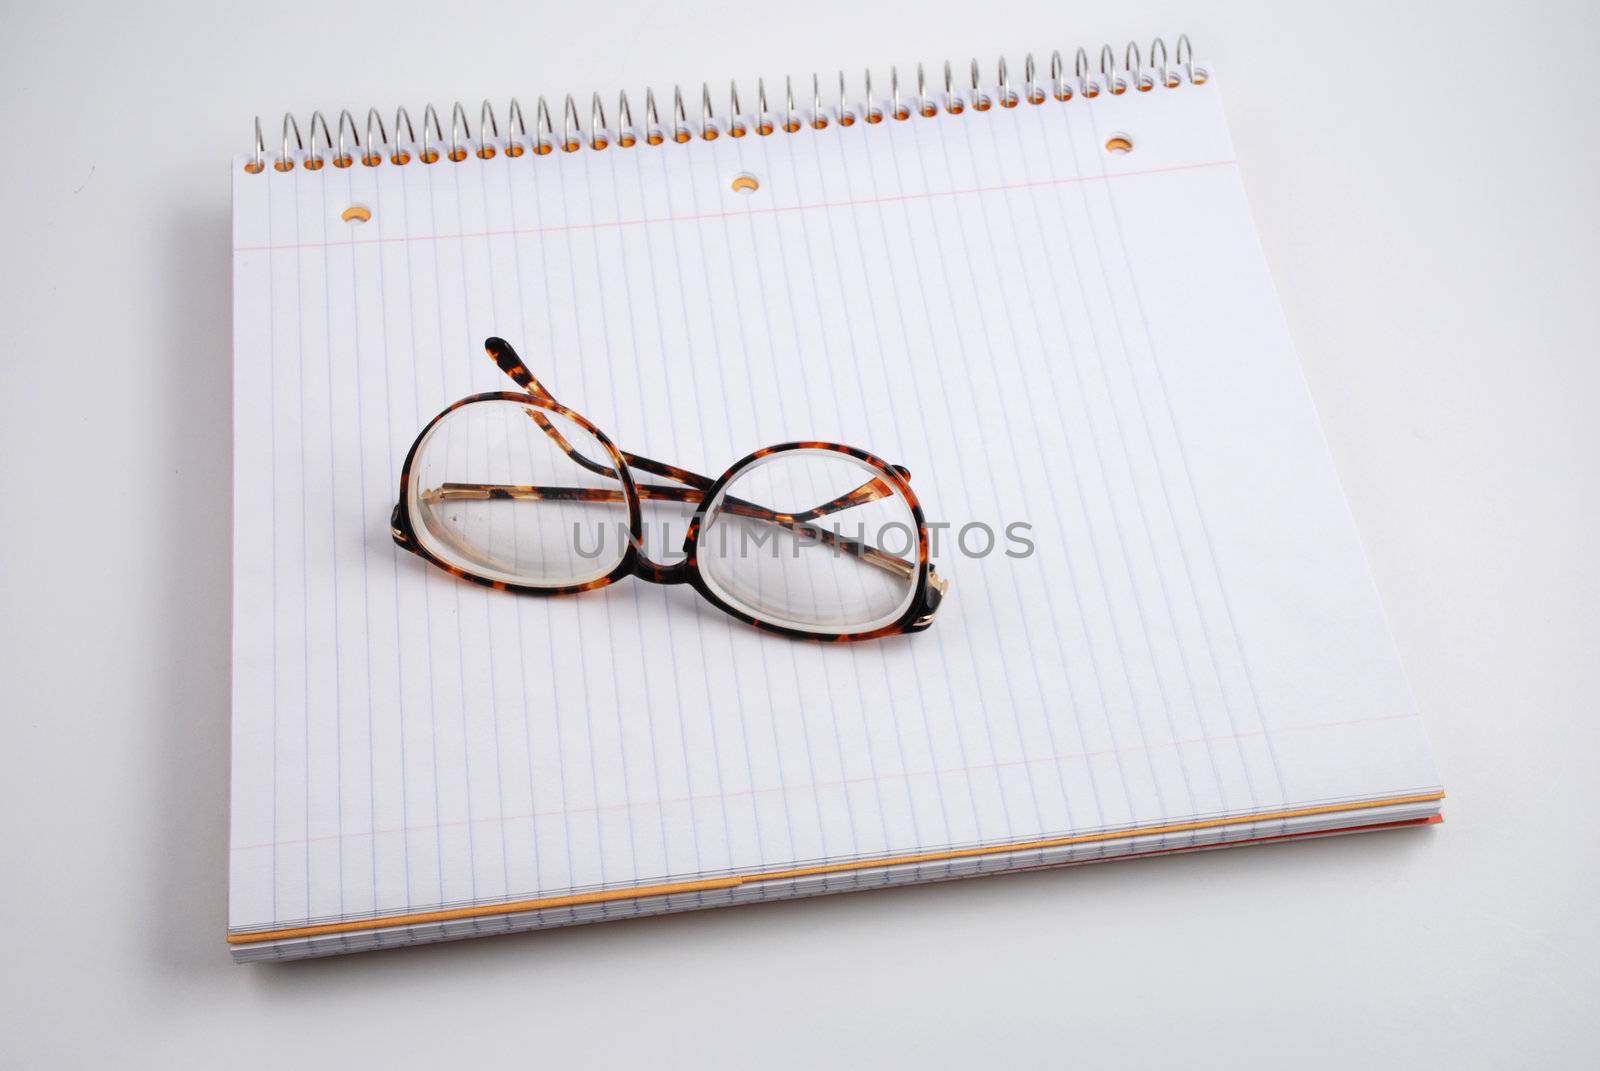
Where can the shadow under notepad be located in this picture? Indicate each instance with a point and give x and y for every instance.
(187, 903)
(834, 936)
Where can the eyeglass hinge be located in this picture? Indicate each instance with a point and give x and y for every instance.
(937, 587)
(395, 531)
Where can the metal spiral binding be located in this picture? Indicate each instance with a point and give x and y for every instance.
(1164, 71)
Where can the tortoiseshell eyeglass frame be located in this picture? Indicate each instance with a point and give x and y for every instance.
(691, 488)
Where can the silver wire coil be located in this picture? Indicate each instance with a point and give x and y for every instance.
(1164, 70)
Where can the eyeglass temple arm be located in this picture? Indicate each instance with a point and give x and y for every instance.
(794, 522)
(512, 365)
(505, 356)
(500, 351)
(693, 495)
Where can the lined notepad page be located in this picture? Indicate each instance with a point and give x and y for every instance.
(1041, 331)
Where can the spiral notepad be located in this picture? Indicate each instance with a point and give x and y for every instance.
(1038, 288)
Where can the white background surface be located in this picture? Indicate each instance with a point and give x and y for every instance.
(1424, 183)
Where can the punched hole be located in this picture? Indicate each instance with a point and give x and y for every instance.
(745, 184)
(1119, 144)
(356, 214)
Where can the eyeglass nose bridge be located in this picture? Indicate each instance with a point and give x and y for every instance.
(654, 572)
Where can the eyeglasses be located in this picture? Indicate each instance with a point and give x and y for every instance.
(514, 491)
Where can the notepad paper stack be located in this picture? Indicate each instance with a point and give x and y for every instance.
(1043, 296)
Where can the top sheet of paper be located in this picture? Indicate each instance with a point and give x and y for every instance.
(1046, 334)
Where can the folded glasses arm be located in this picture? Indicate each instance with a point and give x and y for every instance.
(650, 492)
(500, 351)
(694, 485)
(512, 365)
